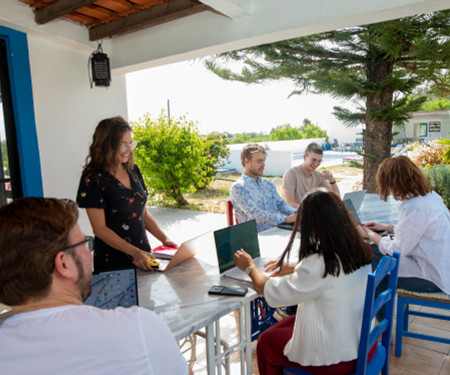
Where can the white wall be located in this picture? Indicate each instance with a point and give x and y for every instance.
(67, 111)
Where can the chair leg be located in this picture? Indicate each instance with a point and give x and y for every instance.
(406, 317)
(402, 320)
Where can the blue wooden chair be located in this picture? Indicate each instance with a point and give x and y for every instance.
(380, 361)
(406, 298)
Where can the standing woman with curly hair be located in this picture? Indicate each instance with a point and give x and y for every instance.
(114, 194)
(422, 233)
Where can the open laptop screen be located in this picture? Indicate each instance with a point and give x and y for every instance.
(352, 210)
(356, 197)
(230, 239)
(111, 289)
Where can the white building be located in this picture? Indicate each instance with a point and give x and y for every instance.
(426, 126)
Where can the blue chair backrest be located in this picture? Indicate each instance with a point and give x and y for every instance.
(369, 336)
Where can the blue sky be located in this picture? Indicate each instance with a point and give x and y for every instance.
(219, 105)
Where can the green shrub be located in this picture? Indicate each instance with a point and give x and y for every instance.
(216, 153)
(439, 177)
(171, 155)
(445, 142)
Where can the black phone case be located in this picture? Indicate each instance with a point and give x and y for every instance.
(227, 291)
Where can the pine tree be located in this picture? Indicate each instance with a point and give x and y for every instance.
(377, 65)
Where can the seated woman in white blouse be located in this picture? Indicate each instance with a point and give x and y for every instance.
(422, 233)
(328, 285)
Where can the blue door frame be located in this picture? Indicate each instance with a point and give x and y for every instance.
(23, 108)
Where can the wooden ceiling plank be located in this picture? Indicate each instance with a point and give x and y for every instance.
(119, 6)
(58, 9)
(149, 3)
(156, 15)
(95, 12)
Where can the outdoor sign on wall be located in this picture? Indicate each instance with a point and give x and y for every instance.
(423, 129)
(434, 126)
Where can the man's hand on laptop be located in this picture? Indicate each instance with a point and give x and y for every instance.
(291, 218)
(285, 268)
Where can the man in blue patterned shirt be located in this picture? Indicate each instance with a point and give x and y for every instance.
(257, 198)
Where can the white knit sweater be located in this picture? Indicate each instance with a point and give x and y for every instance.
(329, 316)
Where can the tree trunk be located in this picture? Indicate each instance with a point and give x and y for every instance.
(176, 193)
(378, 135)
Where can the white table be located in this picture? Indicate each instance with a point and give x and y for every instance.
(180, 297)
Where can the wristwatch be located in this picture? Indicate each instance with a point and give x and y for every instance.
(249, 269)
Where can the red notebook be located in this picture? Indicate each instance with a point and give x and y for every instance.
(164, 252)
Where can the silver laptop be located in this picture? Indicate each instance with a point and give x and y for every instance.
(233, 238)
(185, 252)
(353, 212)
(356, 197)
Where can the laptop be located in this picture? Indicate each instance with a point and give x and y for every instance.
(111, 289)
(233, 238)
(353, 212)
(356, 197)
(185, 252)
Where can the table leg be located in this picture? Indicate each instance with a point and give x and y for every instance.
(248, 337)
(210, 349)
(214, 354)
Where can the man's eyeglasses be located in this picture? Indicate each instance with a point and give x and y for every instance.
(131, 145)
(88, 241)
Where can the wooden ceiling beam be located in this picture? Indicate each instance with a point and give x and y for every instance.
(156, 15)
(58, 9)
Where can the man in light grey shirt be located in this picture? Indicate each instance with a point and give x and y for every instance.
(297, 181)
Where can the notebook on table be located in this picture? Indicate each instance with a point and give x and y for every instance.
(233, 238)
(111, 289)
